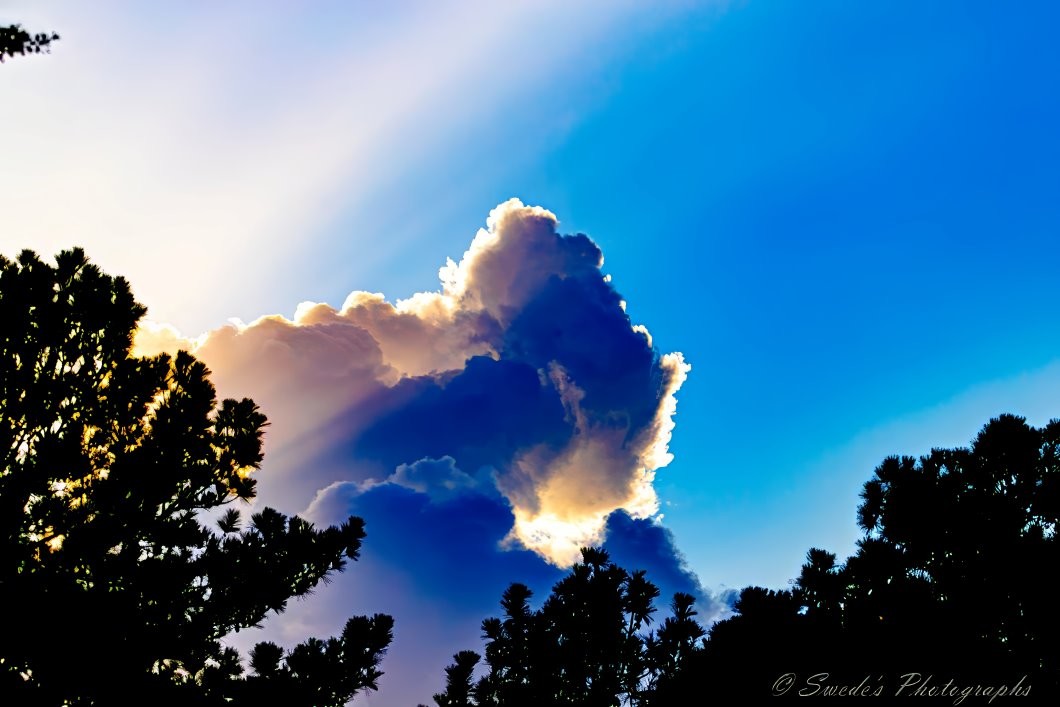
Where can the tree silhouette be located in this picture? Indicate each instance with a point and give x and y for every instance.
(458, 681)
(15, 40)
(952, 577)
(586, 645)
(952, 581)
(671, 651)
(112, 467)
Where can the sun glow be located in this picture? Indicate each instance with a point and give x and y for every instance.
(558, 540)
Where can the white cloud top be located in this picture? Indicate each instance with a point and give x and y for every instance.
(523, 296)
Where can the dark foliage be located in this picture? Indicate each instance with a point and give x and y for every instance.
(954, 578)
(587, 645)
(15, 40)
(112, 467)
(952, 584)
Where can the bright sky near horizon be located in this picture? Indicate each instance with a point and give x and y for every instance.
(844, 215)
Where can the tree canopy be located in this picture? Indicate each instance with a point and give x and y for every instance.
(952, 581)
(15, 40)
(953, 576)
(121, 550)
(589, 644)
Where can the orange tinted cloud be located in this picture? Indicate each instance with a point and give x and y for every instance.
(383, 388)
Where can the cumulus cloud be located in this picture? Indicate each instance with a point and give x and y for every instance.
(485, 432)
(522, 375)
(434, 561)
(455, 534)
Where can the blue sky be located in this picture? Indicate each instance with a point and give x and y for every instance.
(844, 215)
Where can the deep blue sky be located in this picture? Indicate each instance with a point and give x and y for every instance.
(844, 214)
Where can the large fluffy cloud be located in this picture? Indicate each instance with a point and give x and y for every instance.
(523, 370)
(485, 432)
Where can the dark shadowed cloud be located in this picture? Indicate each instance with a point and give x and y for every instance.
(437, 560)
(485, 432)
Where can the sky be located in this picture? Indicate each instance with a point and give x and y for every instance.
(842, 216)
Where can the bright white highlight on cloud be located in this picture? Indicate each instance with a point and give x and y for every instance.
(571, 495)
(522, 298)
